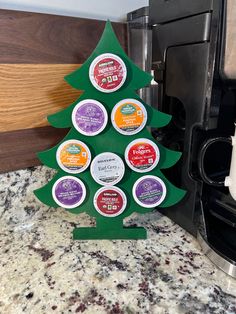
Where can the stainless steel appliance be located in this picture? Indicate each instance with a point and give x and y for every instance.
(190, 46)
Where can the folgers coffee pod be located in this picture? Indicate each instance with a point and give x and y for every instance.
(73, 156)
(69, 192)
(107, 73)
(149, 191)
(129, 116)
(89, 117)
(107, 169)
(110, 201)
(142, 155)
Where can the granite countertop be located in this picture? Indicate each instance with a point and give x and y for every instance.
(44, 271)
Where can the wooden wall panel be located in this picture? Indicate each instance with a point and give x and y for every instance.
(30, 92)
(43, 38)
(36, 52)
(18, 148)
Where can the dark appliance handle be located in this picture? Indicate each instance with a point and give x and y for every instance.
(201, 156)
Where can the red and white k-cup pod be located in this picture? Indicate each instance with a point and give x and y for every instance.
(107, 72)
(142, 155)
(110, 201)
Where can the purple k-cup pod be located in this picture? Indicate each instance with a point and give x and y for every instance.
(149, 191)
(69, 192)
(89, 117)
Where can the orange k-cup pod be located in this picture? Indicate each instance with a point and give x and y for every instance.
(69, 192)
(73, 156)
(110, 201)
(129, 116)
(142, 155)
(107, 72)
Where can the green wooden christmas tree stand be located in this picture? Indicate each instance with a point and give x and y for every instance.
(118, 233)
(112, 141)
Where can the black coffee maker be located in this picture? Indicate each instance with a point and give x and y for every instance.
(190, 47)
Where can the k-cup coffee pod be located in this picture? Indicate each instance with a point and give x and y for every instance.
(149, 191)
(107, 169)
(73, 156)
(110, 201)
(69, 192)
(107, 73)
(142, 155)
(89, 117)
(129, 116)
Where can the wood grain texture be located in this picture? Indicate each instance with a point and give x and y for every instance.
(30, 92)
(18, 148)
(36, 52)
(43, 38)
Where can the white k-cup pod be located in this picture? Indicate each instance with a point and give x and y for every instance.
(142, 155)
(107, 72)
(107, 168)
(89, 117)
(69, 192)
(110, 201)
(149, 191)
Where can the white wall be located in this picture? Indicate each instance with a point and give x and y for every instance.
(115, 10)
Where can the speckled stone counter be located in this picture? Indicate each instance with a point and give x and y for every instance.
(43, 271)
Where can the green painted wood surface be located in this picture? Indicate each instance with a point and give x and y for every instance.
(112, 141)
